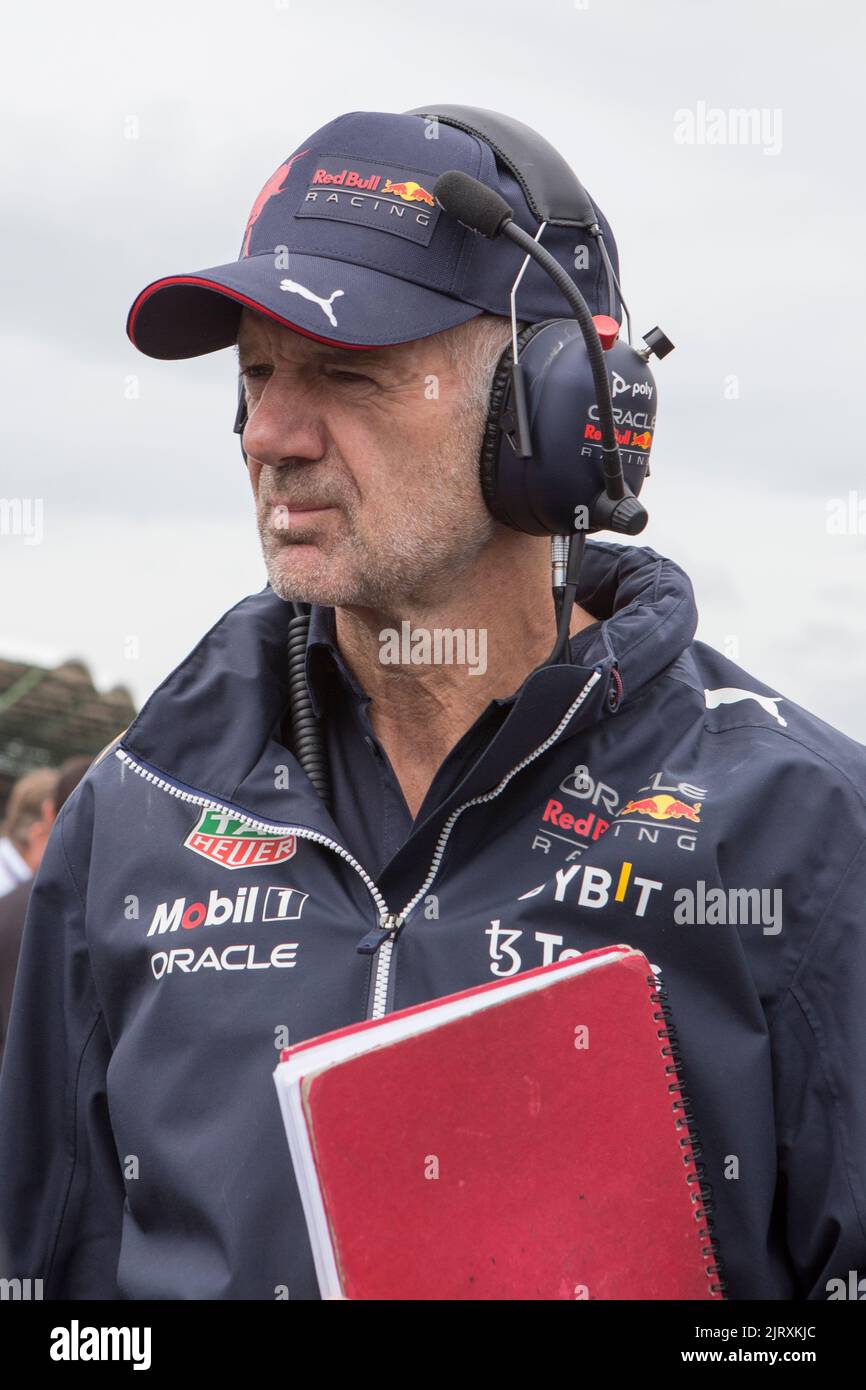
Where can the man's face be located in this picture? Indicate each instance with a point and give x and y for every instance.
(364, 468)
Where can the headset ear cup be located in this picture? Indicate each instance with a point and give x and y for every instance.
(492, 430)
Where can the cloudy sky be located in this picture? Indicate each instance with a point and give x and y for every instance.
(136, 138)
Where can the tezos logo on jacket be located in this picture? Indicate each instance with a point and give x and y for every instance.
(231, 842)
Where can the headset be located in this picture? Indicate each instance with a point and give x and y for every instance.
(553, 460)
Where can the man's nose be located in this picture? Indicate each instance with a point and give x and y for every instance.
(283, 426)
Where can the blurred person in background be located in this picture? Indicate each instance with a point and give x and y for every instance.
(26, 826)
(30, 816)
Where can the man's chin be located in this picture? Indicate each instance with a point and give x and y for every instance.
(300, 572)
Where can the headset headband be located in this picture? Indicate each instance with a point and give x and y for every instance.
(551, 187)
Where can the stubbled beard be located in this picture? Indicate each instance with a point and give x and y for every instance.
(413, 555)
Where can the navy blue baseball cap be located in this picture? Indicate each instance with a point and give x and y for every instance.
(346, 244)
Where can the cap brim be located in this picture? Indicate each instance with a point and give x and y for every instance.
(332, 301)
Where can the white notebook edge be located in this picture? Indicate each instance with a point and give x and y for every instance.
(289, 1077)
(301, 1153)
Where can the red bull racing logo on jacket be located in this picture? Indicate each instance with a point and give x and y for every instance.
(231, 842)
(663, 808)
(666, 803)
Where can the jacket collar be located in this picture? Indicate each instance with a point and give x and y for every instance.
(661, 615)
(214, 723)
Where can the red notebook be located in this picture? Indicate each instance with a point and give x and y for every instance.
(525, 1139)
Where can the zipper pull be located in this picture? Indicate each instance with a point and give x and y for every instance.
(369, 944)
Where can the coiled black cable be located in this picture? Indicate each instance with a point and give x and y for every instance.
(308, 744)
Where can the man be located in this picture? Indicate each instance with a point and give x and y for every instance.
(13, 905)
(200, 905)
(26, 826)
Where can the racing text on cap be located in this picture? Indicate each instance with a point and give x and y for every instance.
(390, 199)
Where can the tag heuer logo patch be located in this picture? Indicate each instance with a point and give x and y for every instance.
(231, 842)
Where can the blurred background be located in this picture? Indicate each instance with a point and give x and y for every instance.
(722, 142)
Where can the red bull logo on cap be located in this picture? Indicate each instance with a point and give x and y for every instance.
(346, 178)
(397, 200)
(273, 186)
(412, 192)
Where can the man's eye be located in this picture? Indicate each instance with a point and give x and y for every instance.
(257, 370)
(347, 376)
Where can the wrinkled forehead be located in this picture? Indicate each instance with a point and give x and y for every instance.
(258, 333)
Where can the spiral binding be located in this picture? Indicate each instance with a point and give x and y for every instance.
(705, 1205)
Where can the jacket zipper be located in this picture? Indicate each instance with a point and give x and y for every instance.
(303, 831)
(383, 939)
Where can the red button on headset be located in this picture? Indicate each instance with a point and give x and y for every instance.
(608, 329)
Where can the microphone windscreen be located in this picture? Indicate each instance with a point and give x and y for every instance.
(472, 202)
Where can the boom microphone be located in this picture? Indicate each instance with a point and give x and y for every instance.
(474, 204)
(481, 209)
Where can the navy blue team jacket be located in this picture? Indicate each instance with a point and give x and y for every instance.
(197, 907)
